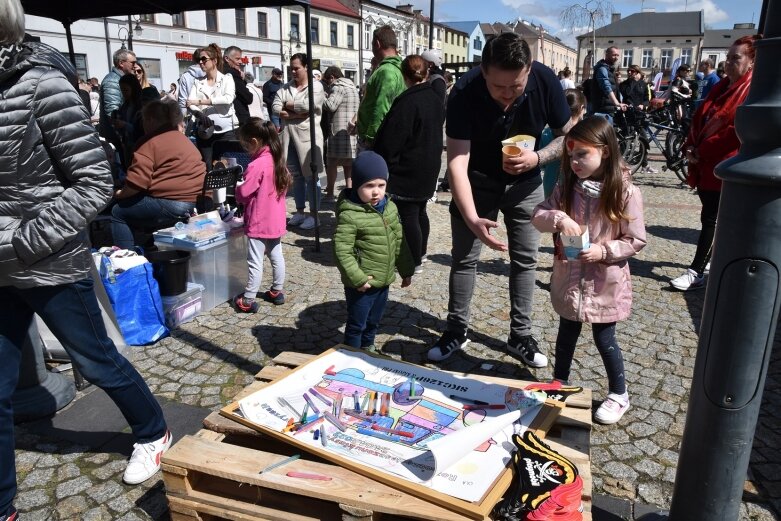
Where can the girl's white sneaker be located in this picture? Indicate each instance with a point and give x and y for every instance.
(612, 409)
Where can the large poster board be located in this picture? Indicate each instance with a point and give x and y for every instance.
(421, 430)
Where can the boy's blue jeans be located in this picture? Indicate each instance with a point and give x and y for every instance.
(364, 312)
(72, 313)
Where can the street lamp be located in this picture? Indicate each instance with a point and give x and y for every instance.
(130, 31)
(292, 37)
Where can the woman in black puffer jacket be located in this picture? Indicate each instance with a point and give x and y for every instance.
(410, 141)
(54, 179)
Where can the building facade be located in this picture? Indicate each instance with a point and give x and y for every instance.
(454, 47)
(717, 42)
(335, 31)
(475, 39)
(166, 42)
(651, 40)
(375, 15)
(545, 48)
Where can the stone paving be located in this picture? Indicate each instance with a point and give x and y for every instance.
(208, 360)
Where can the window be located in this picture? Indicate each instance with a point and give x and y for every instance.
(315, 30)
(295, 31)
(367, 36)
(241, 21)
(648, 59)
(478, 44)
(714, 58)
(211, 20)
(81, 65)
(262, 25)
(147, 18)
(666, 59)
(351, 37)
(628, 58)
(334, 35)
(686, 56)
(178, 19)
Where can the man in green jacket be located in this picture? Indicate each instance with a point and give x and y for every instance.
(369, 247)
(385, 83)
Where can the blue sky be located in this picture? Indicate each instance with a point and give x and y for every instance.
(718, 13)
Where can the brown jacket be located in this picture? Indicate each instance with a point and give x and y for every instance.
(168, 166)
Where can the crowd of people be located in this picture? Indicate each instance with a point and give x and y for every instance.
(388, 142)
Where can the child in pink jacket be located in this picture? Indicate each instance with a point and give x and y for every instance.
(594, 285)
(263, 193)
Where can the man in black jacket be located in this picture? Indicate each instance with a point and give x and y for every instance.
(270, 89)
(234, 67)
(634, 90)
(604, 88)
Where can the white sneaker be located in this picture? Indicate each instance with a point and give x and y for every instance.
(145, 460)
(613, 408)
(688, 281)
(297, 219)
(650, 170)
(424, 259)
(308, 224)
(447, 344)
(418, 269)
(707, 269)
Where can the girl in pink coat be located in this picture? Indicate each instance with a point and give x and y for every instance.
(593, 285)
(263, 193)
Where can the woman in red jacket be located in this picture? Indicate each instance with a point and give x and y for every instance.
(711, 140)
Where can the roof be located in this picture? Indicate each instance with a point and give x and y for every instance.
(67, 12)
(464, 27)
(334, 6)
(723, 38)
(650, 24)
(495, 28)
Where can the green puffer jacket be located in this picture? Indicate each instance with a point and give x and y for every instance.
(370, 243)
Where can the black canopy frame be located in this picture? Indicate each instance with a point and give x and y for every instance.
(69, 12)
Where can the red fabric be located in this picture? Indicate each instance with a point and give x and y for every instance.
(712, 131)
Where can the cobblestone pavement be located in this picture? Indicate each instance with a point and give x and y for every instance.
(207, 361)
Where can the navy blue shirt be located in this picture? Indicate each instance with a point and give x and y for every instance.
(474, 116)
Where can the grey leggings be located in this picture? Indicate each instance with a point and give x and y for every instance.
(256, 248)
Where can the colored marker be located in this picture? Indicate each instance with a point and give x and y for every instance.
(278, 464)
(334, 420)
(397, 432)
(412, 387)
(285, 403)
(477, 407)
(308, 426)
(357, 403)
(289, 425)
(311, 403)
(306, 475)
(377, 434)
(464, 399)
(384, 404)
(371, 408)
(357, 415)
(323, 436)
(330, 371)
(316, 434)
(320, 397)
(304, 413)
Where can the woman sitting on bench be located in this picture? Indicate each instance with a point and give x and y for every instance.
(164, 180)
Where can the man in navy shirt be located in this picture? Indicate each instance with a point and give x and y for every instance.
(710, 77)
(507, 95)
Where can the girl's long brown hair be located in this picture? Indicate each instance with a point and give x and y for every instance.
(266, 133)
(598, 132)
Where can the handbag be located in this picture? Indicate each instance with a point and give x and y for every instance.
(135, 297)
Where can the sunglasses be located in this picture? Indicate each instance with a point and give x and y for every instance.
(138, 71)
(204, 59)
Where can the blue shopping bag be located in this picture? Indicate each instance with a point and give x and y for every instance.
(135, 297)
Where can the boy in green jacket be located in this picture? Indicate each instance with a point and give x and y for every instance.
(369, 246)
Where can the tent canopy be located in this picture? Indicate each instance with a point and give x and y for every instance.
(69, 12)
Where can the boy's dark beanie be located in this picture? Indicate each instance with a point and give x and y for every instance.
(368, 166)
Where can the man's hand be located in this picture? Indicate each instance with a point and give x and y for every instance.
(692, 156)
(592, 254)
(365, 286)
(482, 230)
(519, 164)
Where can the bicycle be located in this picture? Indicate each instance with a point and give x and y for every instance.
(636, 131)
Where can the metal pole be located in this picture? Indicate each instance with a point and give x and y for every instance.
(129, 33)
(741, 304)
(71, 52)
(431, 26)
(316, 152)
(108, 44)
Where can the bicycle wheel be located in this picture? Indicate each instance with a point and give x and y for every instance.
(676, 159)
(633, 151)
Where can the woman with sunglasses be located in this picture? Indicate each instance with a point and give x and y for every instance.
(211, 100)
(148, 91)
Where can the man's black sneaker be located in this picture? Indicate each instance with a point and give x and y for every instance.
(526, 349)
(447, 344)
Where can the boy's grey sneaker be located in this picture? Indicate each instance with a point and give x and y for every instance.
(526, 349)
(447, 344)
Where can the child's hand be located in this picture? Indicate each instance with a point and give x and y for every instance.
(365, 286)
(592, 254)
(406, 281)
(568, 226)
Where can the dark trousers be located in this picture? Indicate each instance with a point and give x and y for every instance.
(415, 225)
(604, 338)
(708, 213)
(364, 312)
(72, 313)
(206, 146)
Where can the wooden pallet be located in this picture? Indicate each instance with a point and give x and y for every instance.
(214, 474)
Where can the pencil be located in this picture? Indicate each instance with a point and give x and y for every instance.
(465, 399)
(477, 407)
(397, 432)
(278, 464)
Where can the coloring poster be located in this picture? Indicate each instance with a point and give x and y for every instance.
(449, 433)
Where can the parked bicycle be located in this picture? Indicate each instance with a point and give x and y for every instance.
(636, 131)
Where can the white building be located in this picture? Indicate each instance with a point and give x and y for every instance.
(376, 15)
(166, 43)
(474, 48)
(717, 42)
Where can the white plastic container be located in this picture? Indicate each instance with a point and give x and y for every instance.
(184, 307)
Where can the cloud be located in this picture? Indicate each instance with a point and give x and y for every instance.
(713, 13)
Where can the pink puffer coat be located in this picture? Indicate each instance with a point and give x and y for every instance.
(594, 292)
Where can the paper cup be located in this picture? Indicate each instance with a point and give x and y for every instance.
(521, 140)
(511, 151)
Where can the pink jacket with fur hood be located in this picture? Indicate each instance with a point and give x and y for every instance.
(594, 292)
(265, 211)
